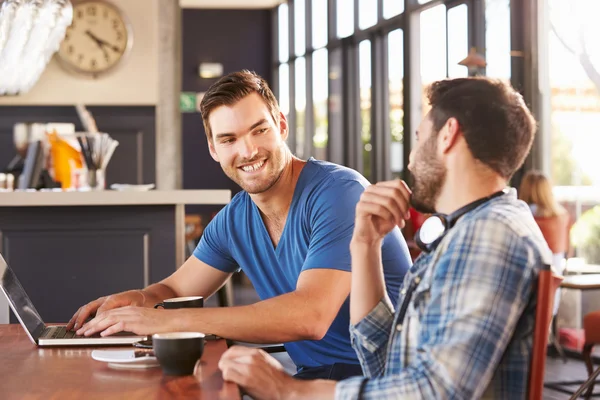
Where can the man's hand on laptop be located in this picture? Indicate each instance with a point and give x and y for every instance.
(139, 320)
(97, 307)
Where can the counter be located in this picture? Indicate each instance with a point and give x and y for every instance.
(68, 248)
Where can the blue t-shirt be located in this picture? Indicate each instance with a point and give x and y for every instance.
(317, 234)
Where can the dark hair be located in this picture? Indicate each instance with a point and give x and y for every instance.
(230, 89)
(497, 125)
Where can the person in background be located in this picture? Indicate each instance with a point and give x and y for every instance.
(554, 221)
(551, 217)
(289, 230)
(464, 327)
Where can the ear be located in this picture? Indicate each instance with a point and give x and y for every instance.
(283, 126)
(211, 149)
(449, 135)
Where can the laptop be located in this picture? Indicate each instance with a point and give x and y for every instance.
(36, 329)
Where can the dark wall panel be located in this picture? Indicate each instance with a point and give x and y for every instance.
(68, 256)
(238, 39)
(134, 127)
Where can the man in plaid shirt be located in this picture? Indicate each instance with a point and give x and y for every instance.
(464, 325)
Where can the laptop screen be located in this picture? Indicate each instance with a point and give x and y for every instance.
(19, 301)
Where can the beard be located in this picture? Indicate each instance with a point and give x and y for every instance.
(266, 179)
(429, 176)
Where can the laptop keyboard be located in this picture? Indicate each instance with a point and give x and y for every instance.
(61, 332)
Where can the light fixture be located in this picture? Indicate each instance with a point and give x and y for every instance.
(474, 62)
(210, 70)
(30, 33)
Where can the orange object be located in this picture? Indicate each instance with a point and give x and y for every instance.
(64, 157)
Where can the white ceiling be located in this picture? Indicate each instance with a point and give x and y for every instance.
(230, 3)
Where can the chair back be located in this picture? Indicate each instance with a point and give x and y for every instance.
(548, 282)
(556, 231)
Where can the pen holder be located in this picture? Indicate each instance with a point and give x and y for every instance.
(95, 179)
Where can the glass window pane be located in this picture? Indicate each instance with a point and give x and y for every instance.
(320, 99)
(284, 37)
(319, 23)
(392, 8)
(367, 15)
(433, 48)
(458, 40)
(284, 88)
(574, 87)
(345, 18)
(299, 27)
(300, 88)
(396, 74)
(364, 51)
(497, 38)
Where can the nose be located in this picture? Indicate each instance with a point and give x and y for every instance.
(247, 147)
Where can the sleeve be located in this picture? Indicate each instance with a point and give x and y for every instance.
(370, 337)
(481, 286)
(213, 248)
(332, 225)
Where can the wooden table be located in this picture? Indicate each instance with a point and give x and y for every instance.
(581, 282)
(30, 372)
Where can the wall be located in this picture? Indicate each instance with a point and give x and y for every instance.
(135, 82)
(239, 39)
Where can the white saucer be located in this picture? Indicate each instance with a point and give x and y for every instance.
(124, 359)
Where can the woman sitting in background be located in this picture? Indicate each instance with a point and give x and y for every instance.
(550, 216)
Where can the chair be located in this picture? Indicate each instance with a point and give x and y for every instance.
(193, 232)
(591, 327)
(548, 282)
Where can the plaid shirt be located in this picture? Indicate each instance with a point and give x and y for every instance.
(468, 329)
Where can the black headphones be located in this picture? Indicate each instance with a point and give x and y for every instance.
(437, 226)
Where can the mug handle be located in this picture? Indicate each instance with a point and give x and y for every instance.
(159, 305)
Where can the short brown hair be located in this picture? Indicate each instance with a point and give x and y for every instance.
(232, 88)
(497, 125)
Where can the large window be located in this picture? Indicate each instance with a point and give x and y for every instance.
(346, 82)
(433, 48)
(365, 104)
(320, 99)
(574, 68)
(497, 38)
(396, 76)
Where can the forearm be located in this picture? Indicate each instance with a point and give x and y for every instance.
(156, 293)
(368, 282)
(284, 318)
(311, 390)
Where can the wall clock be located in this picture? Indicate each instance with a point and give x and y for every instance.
(97, 41)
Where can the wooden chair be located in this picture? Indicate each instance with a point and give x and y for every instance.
(591, 327)
(548, 282)
(193, 232)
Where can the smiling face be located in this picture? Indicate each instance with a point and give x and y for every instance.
(248, 144)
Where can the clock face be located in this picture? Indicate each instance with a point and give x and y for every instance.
(97, 39)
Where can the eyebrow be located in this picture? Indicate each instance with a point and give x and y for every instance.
(252, 127)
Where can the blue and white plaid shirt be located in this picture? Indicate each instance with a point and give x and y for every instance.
(468, 330)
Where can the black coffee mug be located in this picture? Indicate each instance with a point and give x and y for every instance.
(181, 302)
(178, 352)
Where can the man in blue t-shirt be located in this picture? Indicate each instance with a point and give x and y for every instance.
(289, 231)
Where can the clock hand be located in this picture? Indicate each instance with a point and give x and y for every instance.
(101, 43)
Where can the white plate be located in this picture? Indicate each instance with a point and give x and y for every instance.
(124, 359)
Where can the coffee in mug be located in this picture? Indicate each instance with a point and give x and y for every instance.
(178, 352)
(181, 302)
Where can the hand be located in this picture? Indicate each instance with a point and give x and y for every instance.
(129, 298)
(381, 207)
(259, 374)
(139, 320)
(101, 43)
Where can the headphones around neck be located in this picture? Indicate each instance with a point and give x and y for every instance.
(437, 226)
